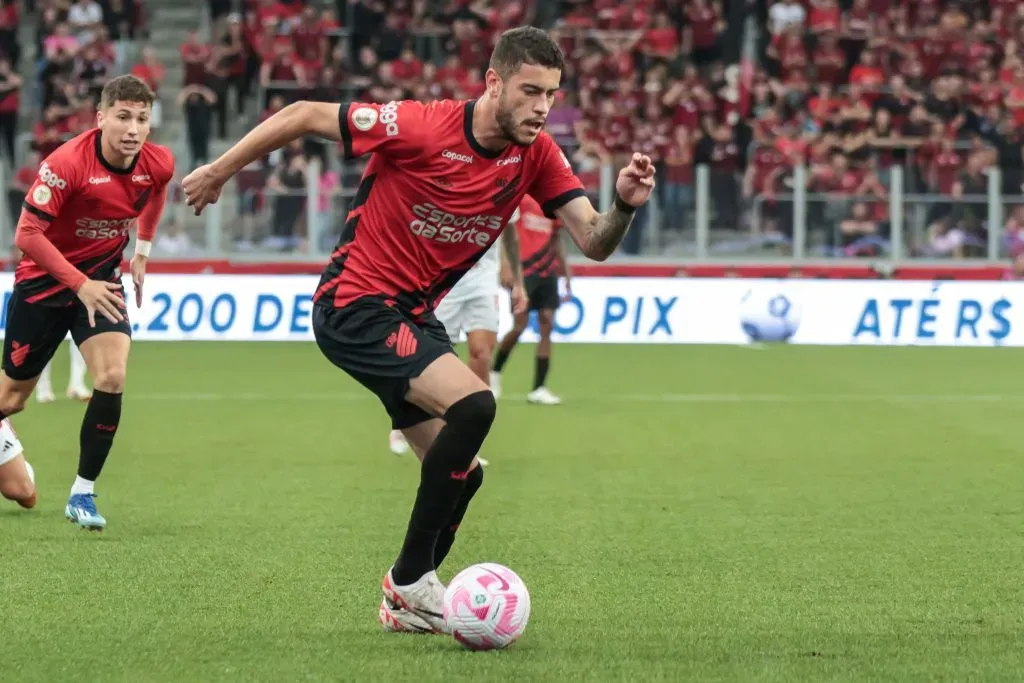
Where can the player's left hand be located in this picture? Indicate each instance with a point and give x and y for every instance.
(201, 187)
(568, 290)
(636, 181)
(518, 293)
(138, 265)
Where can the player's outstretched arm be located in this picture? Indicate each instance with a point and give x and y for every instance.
(203, 186)
(598, 234)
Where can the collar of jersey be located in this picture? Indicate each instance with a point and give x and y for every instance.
(107, 165)
(467, 128)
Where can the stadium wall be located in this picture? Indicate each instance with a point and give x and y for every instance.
(646, 310)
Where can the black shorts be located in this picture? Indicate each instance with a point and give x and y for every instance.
(542, 293)
(382, 348)
(34, 332)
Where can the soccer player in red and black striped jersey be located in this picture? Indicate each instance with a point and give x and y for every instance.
(74, 226)
(543, 257)
(442, 181)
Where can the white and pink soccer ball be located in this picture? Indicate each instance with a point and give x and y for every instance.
(486, 607)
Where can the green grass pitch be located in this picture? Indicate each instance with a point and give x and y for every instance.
(690, 513)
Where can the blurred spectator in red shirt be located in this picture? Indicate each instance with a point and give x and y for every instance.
(10, 99)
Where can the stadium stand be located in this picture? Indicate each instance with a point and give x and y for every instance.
(802, 111)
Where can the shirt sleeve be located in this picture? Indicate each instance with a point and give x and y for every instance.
(149, 219)
(53, 187)
(394, 129)
(554, 184)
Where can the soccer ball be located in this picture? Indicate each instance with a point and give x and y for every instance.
(769, 315)
(486, 607)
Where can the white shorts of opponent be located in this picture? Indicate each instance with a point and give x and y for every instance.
(469, 314)
(10, 445)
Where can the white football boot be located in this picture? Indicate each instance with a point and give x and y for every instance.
(424, 599)
(542, 396)
(394, 619)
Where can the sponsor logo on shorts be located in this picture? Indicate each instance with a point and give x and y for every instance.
(364, 118)
(51, 179)
(18, 353)
(455, 156)
(389, 117)
(100, 180)
(405, 342)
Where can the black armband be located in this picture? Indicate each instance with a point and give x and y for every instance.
(622, 206)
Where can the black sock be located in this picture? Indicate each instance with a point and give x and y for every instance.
(540, 372)
(500, 358)
(98, 428)
(443, 477)
(474, 481)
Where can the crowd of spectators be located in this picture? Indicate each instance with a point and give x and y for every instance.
(848, 88)
(935, 87)
(78, 46)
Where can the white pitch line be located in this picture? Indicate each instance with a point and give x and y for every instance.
(611, 397)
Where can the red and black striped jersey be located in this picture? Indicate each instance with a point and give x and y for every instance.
(85, 208)
(431, 200)
(537, 236)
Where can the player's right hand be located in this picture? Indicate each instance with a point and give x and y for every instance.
(518, 294)
(102, 297)
(201, 187)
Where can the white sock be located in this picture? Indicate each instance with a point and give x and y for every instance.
(82, 486)
(45, 385)
(76, 378)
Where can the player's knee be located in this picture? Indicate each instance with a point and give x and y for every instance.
(479, 352)
(19, 488)
(473, 414)
(474, 480)
(12, 402)
(110, 380)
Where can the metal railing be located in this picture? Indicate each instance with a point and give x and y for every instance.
(794, 225)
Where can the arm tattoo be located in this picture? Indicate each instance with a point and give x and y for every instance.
(606, 231)
(510, 243)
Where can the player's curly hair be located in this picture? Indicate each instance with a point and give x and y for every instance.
(126, 88)
(525, 45)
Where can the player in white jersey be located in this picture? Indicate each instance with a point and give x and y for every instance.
(76, 379)
(471, 307)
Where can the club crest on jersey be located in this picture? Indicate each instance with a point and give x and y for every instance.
(42, 195)
(507, 192)
(141, 200)
(364, 118)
